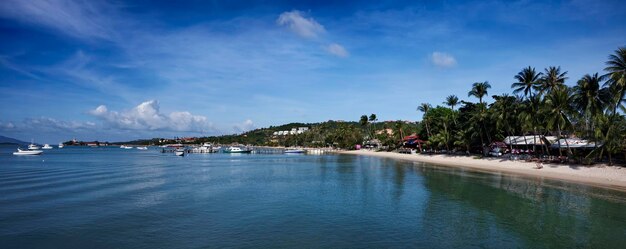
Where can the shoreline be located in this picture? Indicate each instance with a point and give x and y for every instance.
(609, 177)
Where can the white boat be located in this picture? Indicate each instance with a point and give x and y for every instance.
(180, 152)
(234, 149)
(46, 147)
(61, 145)
(126, 147)
(294, 151)
(142, 148)
(21, 152)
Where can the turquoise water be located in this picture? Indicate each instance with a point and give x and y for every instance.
(115, 198)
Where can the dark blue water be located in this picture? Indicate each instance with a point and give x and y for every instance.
(115, 198)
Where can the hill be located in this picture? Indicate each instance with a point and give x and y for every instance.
(8, 140)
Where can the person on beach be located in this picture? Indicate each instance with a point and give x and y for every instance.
(539, 165)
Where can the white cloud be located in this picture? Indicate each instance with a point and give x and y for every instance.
(299, 24)
(337, 50)
(442, 59)
(147, 116)
(245, 126)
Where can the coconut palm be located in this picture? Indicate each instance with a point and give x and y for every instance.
(479, 90)
(552, 79)
(425, 107)
(558, 109)
(528, 81)
(452, 101)
(616, 76)
(590, 99)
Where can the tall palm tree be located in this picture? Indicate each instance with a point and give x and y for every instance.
(590, 99)
(616, 75)
(452, 101)
(552, 79)
(558, 108)
(616, 83)
(479, 90)
(528, 81)
(425, 107)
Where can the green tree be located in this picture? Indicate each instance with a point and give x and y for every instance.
(558, 108)
(552, 79)
(528, 81)
(479, 90)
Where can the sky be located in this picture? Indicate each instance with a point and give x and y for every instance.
(123, 70)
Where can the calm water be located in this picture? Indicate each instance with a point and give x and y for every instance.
(115, 198)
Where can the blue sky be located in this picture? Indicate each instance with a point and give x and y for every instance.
(121, 70)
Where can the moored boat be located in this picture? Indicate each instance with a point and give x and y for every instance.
(46, 147)
(21, 152)
(180, 152)
(235, 149)
(126, 147)
(61, 145)
(142, 148)
(294, 151)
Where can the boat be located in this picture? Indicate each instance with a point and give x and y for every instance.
(235, 149)
(126, 147)
(33, 146)
(180, 152)
(46, 147)
(21, 152)
(61, 145)
(142, 148)
(294, 151)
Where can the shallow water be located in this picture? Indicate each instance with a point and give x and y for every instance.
(115, 198)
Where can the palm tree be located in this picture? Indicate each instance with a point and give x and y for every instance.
(559, 109)
(552, 79)
(452, 101)
(425, 107)
(479, 90)
(528, 81)
(616, 83)
(616, 74)
(589, 99)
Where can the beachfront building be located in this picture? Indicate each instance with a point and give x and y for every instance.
(526, 144)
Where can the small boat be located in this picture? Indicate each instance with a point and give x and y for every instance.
(142, 148)
(46, 147)
(61, 145)
(294, 151)
(126, 147)
(234, 149)
(21, 152)
(180, 152)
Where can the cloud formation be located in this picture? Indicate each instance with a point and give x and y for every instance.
(442, 59)
(147, 116)
(337, 50)
(82, 19)
(300, 25)
(245, 126)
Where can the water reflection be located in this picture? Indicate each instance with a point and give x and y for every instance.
(532, 209)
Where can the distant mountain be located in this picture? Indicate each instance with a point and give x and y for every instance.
(8, 140)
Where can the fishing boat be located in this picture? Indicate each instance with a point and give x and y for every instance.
(61, 145)
(142, 148)
(180, 152)
(235, 149)
(294, 151)
(21, 152)
(46, 147)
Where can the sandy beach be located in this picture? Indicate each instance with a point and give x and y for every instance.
(612, 177)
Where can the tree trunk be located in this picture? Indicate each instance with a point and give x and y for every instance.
(558, 127)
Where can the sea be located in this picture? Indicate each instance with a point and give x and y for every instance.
(107, 197)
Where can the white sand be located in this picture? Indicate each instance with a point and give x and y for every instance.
(612, 177)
